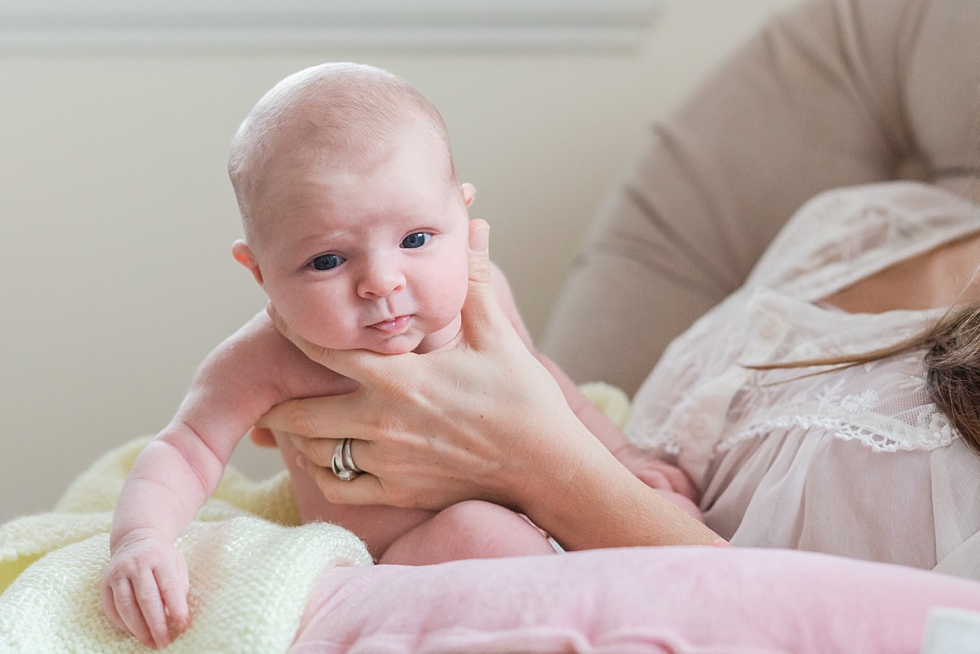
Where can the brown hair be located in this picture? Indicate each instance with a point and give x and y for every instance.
(953, 378)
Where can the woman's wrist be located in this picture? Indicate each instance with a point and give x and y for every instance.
(591, 501)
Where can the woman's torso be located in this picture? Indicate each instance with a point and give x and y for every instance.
(856, 462)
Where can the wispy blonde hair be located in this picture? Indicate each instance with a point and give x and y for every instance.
(329, 115)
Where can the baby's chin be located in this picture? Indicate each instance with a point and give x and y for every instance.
(397, 345)
(418, 344)
(402, 345)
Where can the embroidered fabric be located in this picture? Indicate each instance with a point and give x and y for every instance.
(846, 431)
(771, 450)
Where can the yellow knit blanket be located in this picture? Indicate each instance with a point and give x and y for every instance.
(250, 562)
(251, 567)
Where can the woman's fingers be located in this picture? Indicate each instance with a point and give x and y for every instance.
(319, 453)
(316, 451)
(363, 489)
(330, 417)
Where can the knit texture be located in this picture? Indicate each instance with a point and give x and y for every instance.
(251, 567)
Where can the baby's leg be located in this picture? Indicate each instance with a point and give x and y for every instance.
(468, 530)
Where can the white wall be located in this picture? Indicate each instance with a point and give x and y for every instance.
(116, 215)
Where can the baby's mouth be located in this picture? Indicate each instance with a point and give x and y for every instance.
(394, 326)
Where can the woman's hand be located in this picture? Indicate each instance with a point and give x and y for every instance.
(486, 376)
(480, 418)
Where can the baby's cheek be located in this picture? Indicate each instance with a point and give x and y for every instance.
(326, 333)
(315, 324)
(456, 286)
(450, 299)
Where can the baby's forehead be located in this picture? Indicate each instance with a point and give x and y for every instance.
(352, 153)
(301, 194)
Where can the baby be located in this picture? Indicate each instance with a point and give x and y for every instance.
(357, 229)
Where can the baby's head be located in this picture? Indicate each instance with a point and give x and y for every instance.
(355, 223)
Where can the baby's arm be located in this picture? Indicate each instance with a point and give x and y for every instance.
(649, 469)
(146, 582)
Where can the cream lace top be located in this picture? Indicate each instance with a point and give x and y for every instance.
(856, 462)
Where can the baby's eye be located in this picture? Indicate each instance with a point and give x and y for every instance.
(416, 240)
(326, 262)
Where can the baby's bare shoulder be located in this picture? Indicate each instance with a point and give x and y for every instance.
(262, 363)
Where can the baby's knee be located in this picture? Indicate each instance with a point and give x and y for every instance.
(489, 530)
(479, 515)
(468, 530)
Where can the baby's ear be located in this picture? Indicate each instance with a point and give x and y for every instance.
(243, 255)
(469, 192)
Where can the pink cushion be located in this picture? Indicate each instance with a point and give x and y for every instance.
(677, 600)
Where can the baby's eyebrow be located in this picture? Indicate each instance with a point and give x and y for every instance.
(318, 238)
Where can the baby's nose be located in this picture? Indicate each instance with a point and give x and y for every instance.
(380, 280)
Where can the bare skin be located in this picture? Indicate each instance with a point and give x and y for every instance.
(940, 277)
(600, 507)
(360, 247)
(402, 294)
(480, 418)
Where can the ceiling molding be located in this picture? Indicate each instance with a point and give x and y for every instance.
(283, 25)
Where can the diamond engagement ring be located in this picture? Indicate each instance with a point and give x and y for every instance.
(342, 462)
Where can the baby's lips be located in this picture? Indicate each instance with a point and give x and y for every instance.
(396, 325)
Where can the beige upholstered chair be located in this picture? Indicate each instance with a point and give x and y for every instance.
(831, 93)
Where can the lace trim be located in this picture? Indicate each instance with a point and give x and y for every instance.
(845, 431)
(648, 434)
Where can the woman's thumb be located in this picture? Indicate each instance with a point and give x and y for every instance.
(480, 299)
(479, 251)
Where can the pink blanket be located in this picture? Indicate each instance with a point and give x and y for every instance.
(644, 600)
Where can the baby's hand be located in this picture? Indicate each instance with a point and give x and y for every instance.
(669, 480)
(144, 584)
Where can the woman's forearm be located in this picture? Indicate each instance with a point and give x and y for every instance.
(587, 499)
(589, 414)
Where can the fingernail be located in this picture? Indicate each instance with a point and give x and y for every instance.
(480, 239)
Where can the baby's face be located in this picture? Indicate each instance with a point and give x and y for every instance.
(374, 257)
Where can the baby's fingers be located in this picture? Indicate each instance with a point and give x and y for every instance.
(654, 479)
(151, 606)
(109, 604)
(129, 616)
(173, 585)
(678, 479)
